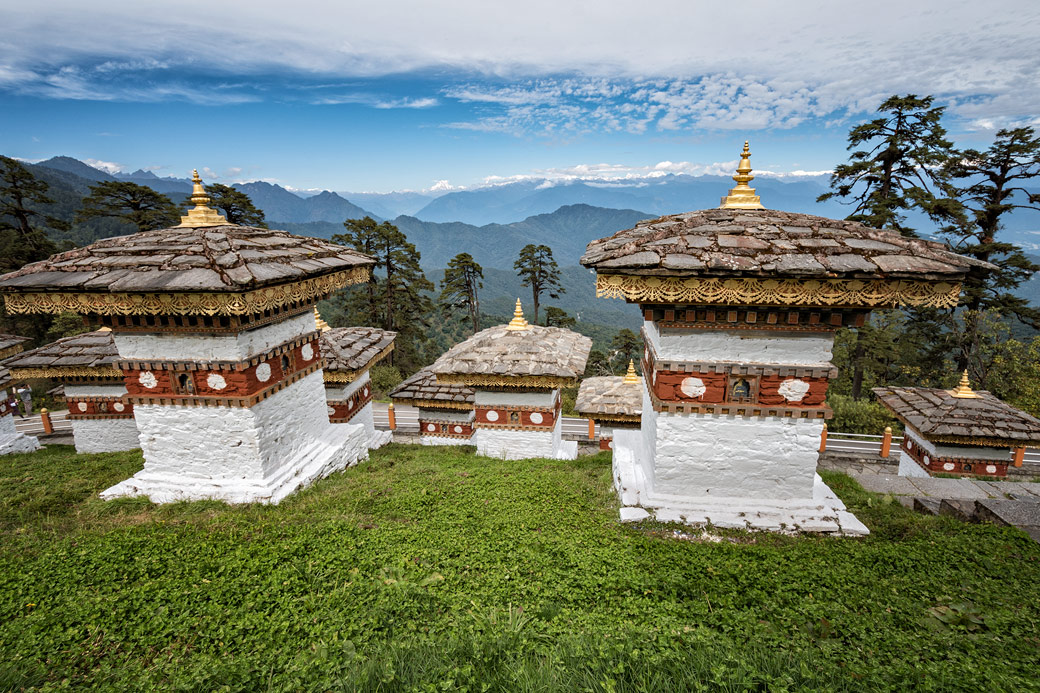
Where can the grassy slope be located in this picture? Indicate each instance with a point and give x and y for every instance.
(433, 569)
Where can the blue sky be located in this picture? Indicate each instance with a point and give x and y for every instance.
(380, 96)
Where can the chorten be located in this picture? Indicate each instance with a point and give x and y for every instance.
(740, 305)
(350, 352)
(11, 441)
(218, 349)
(102, 417)
(445, 409)
(960, 431)
(615, 403)
(516, 372)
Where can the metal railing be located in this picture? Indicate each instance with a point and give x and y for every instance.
(867, 444)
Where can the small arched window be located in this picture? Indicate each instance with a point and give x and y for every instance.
(187, 387)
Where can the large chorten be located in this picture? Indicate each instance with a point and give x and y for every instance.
(218, 350)
(740, 305)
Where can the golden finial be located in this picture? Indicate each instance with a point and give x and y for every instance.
(631, 378)
(517, 323)
(964, 390)
(743, 196)
(104, 329)
(319, 323)
(201, 215)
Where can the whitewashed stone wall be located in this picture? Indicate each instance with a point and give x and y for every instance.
(452, 416)
(344, 390)
(229, 347)
(105, 435)
(517, 399)
(240, 455)
(741, 346)
(95, 390)
(11, 441)
(519, 445)
(365, 416)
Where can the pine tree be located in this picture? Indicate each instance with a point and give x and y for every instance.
(900, 168)
(538, 270)
(557, 317)
(459, 287)
(22, 236)
(236, 206)
(992, 187)
(624, 347)
(137, 204)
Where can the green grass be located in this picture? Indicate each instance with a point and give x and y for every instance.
(431, 569)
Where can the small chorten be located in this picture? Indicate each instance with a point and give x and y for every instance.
(350, 352)
(518, 324)
(742, 196)
(446, 413)
(630, 377)
(320, 322)
(202, 214)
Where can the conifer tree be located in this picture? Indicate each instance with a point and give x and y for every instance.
(459, 287)
(557, 317)
(624, 347)
(538, 270)
(136, 204)
(22, 235)
(236, 206)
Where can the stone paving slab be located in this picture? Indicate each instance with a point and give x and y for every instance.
(928, 506)
(948, 488)
(961, 508)
(885, 483)
(1010, 512)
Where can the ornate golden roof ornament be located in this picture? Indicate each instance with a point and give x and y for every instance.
(631, 378)
(743, 196)
(517, 324)
(202, 214)
(319, 322)
(964, 390)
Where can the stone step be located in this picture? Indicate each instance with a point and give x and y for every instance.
(927, 506)
(960, 508)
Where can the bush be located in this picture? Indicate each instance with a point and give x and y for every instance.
(384, 379)
(859, 416)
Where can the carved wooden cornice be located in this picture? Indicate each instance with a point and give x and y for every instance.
(881, 293)
(521, 382)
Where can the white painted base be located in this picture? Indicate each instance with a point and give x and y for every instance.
(239, 455)
(908, 466)
(105, 435)
(444, 440)
(11, 441)
(818, 510)
(521, 445)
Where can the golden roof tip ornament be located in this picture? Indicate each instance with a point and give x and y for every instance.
(518, 323)
(631, 378)
(743, 196)
(202, 214)
(319, 322)
(964, 390)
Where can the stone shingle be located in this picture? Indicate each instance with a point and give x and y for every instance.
(354, 348)
(609, 395)
(536, 351)
(423, 387)
(87, 350)
(769, 243)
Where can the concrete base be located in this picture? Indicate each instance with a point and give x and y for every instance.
(822, 512)
(908, 466)
(342, 446)
(11, 441)
(105, 435)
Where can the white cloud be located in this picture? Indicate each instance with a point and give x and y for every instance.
(106, 166)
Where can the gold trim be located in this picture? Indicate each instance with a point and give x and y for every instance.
(431, 404)
(67, 373)
(778, 292)
(349, 376)
(231, 303)
(541, 382)
(613, 418)
(12, 350)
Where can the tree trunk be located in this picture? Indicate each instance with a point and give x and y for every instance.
(857, 367)
(535, 292)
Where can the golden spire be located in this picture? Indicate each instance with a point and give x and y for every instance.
(517, 323)
(743, 196)
(319, 323)
(201, 215)
(631, 378)
(964, 390)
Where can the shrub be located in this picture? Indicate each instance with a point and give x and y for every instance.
(384, 379)
(859, 416)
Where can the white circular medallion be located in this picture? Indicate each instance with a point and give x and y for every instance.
(82, 406)
(307, 352)
(350, 404)
(536, 418)
(949, 466)
(263, 372)
(492, 415)
(216, 381)
(692, 387)
(365, 392)
(431, 427)
(793, 390)
(927, 460)
(148, 379)
(118, 406)
(610, 444)
(991, 469)
(458, 429)
(332, 411)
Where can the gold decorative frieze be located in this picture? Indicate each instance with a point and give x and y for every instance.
(68, 373)
(747, 291)
(432, 403)
(533, 382)
(231, 303)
